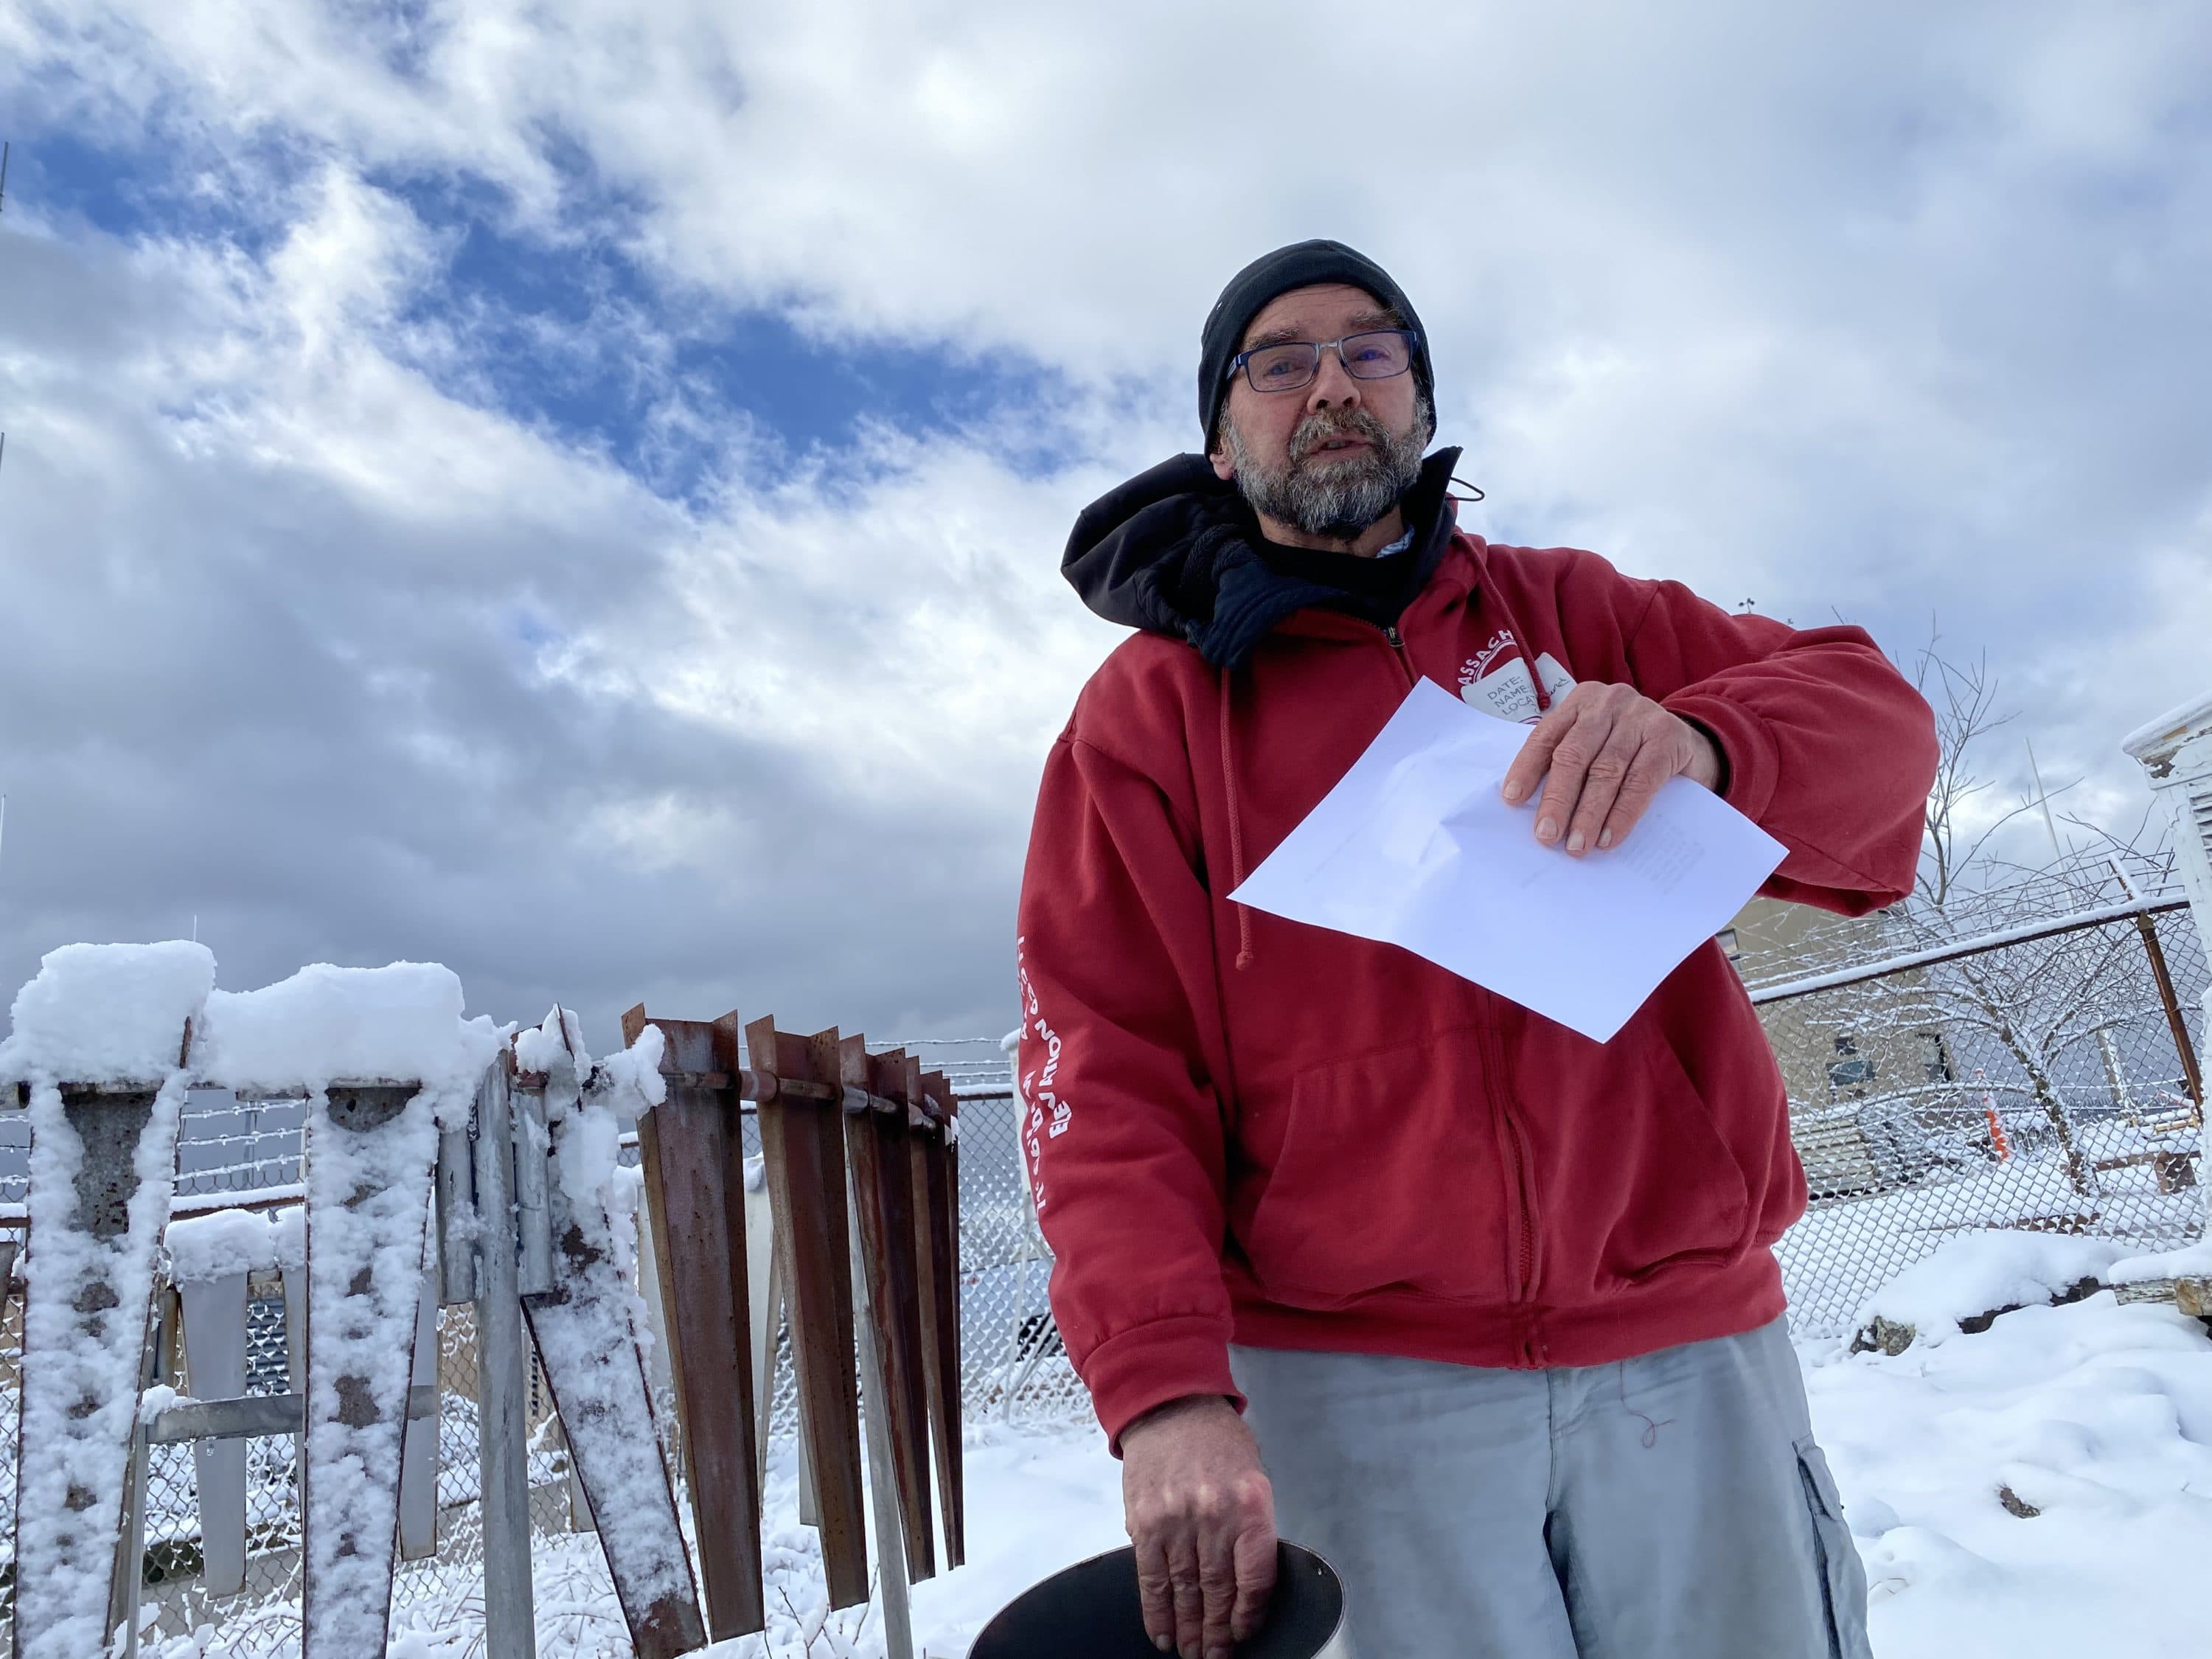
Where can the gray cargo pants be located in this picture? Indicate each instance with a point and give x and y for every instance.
(1673, 1506)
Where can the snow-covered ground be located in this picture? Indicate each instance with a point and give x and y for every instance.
(2097, 1416)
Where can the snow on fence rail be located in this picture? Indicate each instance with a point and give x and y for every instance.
(420, 1124)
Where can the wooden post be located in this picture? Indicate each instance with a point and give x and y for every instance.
(502, 1406)
(875, 1148)
(694, 1157)
(803, 1141)
(596, 1376)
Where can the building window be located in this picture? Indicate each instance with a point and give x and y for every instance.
(1850, 1069)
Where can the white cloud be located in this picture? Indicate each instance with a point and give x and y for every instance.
(1886, 311)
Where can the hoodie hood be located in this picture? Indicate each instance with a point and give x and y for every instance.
(1175, 551)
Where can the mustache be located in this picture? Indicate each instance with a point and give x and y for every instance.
(1318, 429)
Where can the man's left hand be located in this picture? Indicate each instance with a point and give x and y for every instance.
(1608, 748)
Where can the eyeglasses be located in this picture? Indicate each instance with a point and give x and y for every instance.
(1292, 364)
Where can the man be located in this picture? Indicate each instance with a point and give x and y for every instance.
(1500, 1299)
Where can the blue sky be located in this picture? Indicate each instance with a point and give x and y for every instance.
(546, 331)
(578, 494)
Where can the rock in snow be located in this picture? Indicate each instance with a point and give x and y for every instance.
(1980, 1273)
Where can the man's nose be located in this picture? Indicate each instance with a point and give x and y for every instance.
(1332, 386)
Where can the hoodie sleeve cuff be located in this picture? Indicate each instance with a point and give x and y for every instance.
(1152, 1363)
(1748, 752)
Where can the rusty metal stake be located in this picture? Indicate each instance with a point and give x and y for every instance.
(803, 1142)
(2191, 1074)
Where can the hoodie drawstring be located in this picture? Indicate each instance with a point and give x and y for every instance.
(1485, 586)
(1236, 830)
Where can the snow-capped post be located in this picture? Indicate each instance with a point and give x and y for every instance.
(2175, 752)
(384, 1058)
(793, 1079)
(502, 1362)
(368, 1187)
(876, 1153)
(693, 1150)
(936, 1230)
(587, 1340)
(103, 1034)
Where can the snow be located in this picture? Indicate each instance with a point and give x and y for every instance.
(537, 1046)
(368, 1200)
(328, 1024)
(220, 1243)
(287, 1237)
(589, 1334)
(81, 1371)
(1979, 1272)
(108, 1013)
(2192, 1261)
(2100, 1416)
(631, 1081)
(2097, 1415)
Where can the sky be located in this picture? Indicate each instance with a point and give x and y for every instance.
(576, 492)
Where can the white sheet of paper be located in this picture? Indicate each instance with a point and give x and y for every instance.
(1415, 847)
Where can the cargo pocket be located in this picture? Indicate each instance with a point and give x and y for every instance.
(1843, 1579)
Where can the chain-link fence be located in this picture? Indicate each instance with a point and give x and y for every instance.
(2039, 1083)
(2043, 1084)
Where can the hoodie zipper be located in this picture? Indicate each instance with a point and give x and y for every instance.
(1513, 1146)
(1397, 643)
(1520, 1195)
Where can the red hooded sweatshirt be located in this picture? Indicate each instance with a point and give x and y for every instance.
(1242, 1128)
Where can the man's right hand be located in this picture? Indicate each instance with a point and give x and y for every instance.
(1202, 1517)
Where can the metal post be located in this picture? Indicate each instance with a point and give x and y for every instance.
(883, 1478)
(129, 1582)
(510, 1615)
(2191, 1075)
(533, 1223)
(456, 1189)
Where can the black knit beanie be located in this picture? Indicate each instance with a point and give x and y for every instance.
(1299, 266)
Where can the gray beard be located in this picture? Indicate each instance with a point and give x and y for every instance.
(1339, 499)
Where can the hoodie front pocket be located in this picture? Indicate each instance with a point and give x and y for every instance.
(1633, 1175)
(1387, 1178)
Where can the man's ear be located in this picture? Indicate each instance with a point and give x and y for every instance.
(1223, 468)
